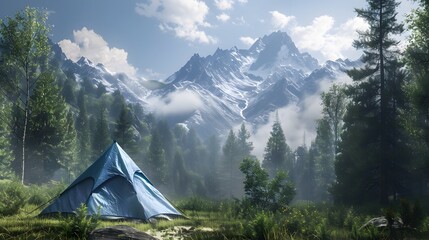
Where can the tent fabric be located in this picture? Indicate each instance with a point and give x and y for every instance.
(115, 187)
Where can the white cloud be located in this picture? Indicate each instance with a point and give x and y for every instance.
(321, 36)
(91, 45)
(224, 4)
(183, 17)
(279, 20)
(239, 21)
(248, 41)
(150, 74)
(223, 17)
(176, 103)
(242, 1)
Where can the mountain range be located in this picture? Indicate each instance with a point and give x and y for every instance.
(215, 93)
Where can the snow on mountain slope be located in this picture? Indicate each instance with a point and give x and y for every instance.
(237, 85)
(213, 94)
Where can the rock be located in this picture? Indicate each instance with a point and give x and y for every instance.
(119, 232)
(381, 222)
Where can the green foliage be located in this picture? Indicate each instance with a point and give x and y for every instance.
(262, 193)
(80, 224)
(372, 155)
(6, 154)
(196, 203)
(231, 163)
(41, 194)
(25, 52)
(156, 162)
(12, 198)
(278, 155)
(50, 133)
(101, 132)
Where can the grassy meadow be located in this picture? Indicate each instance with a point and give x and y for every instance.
(209, 219)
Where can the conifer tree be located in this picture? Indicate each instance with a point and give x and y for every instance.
(124, 133)
(231, 167)
(278, 155)
(83, 133)
(244, 146)
(417, 60)
(47, 133)
(101, 136)
(156, 159)
(367, 164)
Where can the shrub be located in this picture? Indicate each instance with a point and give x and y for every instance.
(266, 225)
(196, 203)
(80, 225)
(39, 195)
(272, 194)
(12, 198)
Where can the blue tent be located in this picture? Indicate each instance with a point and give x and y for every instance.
(115, 187)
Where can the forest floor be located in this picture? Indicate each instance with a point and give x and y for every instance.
(218, 221)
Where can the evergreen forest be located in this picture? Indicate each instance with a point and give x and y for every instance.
(370, 157)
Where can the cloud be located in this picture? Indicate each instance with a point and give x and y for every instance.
(321, 36)
(242, 1)
(248, 41)
(176, 103)
(224, 4)
(239, 21)
(150, 74)
(91, 45)
(295, 119)
(183, 17)
(223, 17)
(279, 20)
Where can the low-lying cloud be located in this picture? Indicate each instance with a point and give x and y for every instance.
(297, 120)
(176, 103)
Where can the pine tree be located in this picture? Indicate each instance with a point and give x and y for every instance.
(25, 51)
(69, 147)
(211, 174)
(180, 176)
(278, 155)
(366, 164)
(47, 130)
(231, 163)
(83, 133)
(124, 132)
(244, 146)
(322, 150)
(156, 160)
(101, 136)
(417, 60)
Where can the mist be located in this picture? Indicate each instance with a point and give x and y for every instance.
(179, 102)
(298, 119)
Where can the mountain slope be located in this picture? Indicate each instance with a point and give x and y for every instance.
(212, 94)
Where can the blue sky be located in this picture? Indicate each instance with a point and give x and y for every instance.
(154, 38)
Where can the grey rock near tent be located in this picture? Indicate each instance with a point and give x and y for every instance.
(119, 232)
(381, 222)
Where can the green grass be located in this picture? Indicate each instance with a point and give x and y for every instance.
(305, 221)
